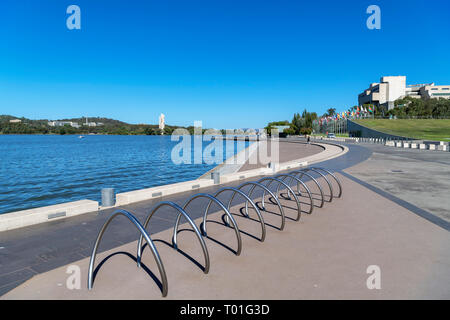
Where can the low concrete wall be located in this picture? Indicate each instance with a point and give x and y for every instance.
(354, 129)
(157, 192)
(18, 219)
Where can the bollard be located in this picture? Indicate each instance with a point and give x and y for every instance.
(216, 177)
(108, 197)
(272, 166)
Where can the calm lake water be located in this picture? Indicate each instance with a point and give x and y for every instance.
(42, 170)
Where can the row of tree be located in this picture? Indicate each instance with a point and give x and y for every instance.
(300, 124)
(413, 107)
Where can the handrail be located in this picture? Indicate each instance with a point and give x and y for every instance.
(272, 179)
(235, 191)
(257, 184)
(222, 206)
(143, 233)
(284, 176)
(303, 173)
(326, 179)
(334, 177)
(174, 241)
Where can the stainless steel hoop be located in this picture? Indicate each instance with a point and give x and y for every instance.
(272, 179)
(326, 179)
(181, 212)
(284, 176)
(237, 191)
(303, 173)
(222, 206)
(143, 233)
(260, 185)
(334, 177)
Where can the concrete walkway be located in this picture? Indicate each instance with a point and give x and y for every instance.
(287, 152)
(324, 256)
(420, 178)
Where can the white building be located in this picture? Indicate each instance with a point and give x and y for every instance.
(392, 88)
(63, 123)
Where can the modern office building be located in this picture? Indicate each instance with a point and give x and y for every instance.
(63, 123)
(392, 88)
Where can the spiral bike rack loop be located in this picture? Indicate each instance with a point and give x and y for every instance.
(203, 226)
(181, 212)
(303, 173)
(143, 233)
(334, 177)
(326, 179)
(237, 191)
(285, 176)
(260, 185)
(272, 179)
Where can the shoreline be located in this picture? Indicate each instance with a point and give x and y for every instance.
(23, 218)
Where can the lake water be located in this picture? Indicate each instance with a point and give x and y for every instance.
(42, 170)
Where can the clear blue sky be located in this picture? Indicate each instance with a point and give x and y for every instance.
(228, 63)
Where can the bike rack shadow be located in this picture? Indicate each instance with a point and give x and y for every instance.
(134, 258)
(242, 215)
(235, 252)
(259, 204)
(183, 253)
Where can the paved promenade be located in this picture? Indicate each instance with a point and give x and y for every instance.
(287, 152)
(416, 176)
(325, 255)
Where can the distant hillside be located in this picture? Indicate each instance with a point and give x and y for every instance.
(108, 126)
(105, 121)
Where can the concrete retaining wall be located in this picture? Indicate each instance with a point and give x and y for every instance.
(18, 219)
(356, 129)
(157, 192)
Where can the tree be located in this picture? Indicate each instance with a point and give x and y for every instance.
(331, 111)
(297, 123)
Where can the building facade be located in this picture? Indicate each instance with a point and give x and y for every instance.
(392, 88)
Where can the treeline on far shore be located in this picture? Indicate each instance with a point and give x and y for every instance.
(108, 126)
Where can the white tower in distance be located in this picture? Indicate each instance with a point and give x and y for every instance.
(162, 123)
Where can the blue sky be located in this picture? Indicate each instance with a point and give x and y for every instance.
(228, 63)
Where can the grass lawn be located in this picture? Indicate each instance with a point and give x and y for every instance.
(423, 129)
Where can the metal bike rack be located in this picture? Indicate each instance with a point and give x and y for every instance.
(284, 176)
(181, 212)
(143, 233)
(237, 191)
(334, 177)
(222, 206)
(272, 179)
(283, 179)
(260, 185)
(330, 187)
(303, 173)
